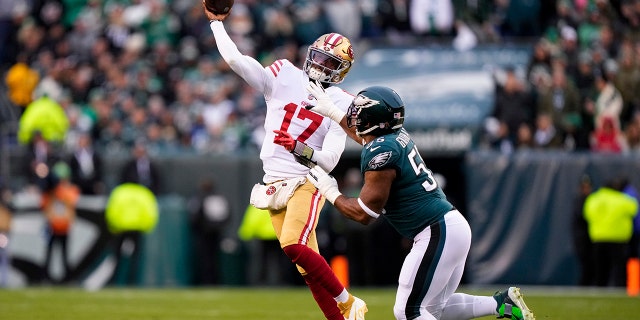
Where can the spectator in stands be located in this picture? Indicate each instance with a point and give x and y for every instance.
(59, 207)
(252, 109)
(606, 101)
(309, 20)
(193, 24)
(539, 65)
(160, 25)
(589, 28)
(394, 19)
(525, 138)
(632, 134)
(562, 102)
(630, 20)
(607, 138)
(431, 17)
(546, 135)
(610, 213)
(627, 81)
(11, 15)
(569, 48)
(608, 40)
(522, 18)
(582, 245)
(215, 114)
(565, 16)
(583, 76)
(514, 104)
(344, 17)
(498, 136)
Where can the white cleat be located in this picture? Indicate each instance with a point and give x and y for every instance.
(518, 300)
(355, 311)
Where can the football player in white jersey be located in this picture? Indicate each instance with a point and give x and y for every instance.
(296, 135)
(399, 187)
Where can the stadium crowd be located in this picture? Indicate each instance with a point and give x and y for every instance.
(129, 69)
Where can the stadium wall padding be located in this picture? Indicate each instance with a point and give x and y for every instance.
(520, 208)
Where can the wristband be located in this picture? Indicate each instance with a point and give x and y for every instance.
(332, 194)
(336, 114)
(303, 150)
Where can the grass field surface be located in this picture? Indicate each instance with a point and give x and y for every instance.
(244, 303)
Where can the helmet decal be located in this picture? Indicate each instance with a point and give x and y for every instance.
(362, 101)
(331, 41)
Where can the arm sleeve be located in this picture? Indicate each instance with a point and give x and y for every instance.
(245, 66)
(332, 148)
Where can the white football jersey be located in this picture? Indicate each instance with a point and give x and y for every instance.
(284, 89)
(286, 111)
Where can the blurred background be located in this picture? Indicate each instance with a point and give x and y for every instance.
(522, 108)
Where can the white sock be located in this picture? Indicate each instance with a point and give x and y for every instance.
(343, 297)
(464, 306)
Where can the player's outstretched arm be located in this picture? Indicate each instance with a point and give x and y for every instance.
(372, 198)
(245, 66)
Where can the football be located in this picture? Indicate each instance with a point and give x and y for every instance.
(218, 6)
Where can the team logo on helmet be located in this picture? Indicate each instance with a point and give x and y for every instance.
(362, 101)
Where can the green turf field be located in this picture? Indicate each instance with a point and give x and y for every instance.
(274, 303)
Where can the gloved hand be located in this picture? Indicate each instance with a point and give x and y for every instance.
(324, 105)
(284, 139)
(301, 151)
(327, 184)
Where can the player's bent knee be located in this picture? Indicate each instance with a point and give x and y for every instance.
(294, 251)
(398, 312)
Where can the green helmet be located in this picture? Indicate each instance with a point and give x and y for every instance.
(376, 110)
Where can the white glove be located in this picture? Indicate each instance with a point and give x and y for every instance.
(327, 184)
(324, 105)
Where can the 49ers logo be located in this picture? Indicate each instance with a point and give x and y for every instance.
(271, 190)
(350, 52)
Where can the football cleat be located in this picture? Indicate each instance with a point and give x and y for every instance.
(353, 309)
(511, 305)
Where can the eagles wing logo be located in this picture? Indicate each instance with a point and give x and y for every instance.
(364, 102)
(379, 160)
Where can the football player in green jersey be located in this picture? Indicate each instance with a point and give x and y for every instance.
(399, 187)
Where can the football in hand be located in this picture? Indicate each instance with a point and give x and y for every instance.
(218, 6)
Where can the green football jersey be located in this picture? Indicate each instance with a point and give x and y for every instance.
(415, 200)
